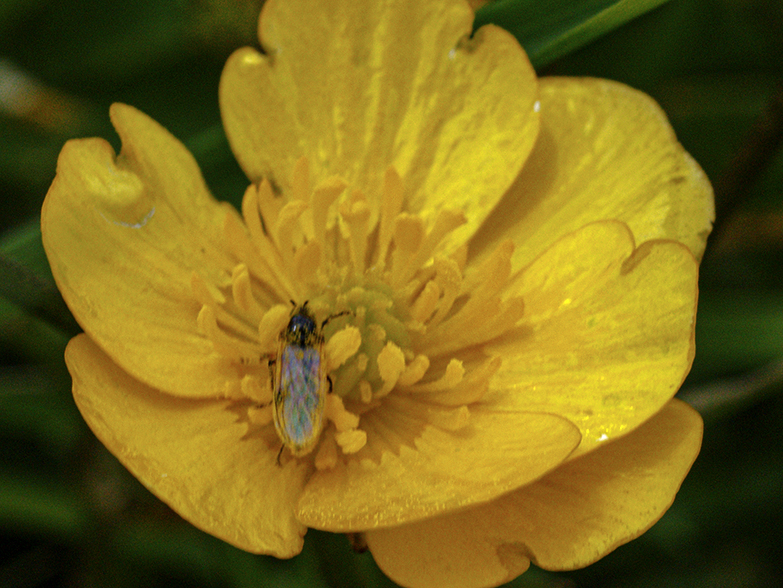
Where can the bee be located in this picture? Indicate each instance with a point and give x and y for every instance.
(300, 382)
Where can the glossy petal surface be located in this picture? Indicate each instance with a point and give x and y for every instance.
(396, 83)
(568, 519)
(123, 236)
(604, 151)
(607, 336)
(193, 454)
(495, 453)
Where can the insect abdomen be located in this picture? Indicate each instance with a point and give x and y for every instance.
(299, 397)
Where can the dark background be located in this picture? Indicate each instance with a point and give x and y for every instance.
(70, 515)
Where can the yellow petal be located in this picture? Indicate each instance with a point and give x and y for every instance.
(358, 87)
(194, 455)
(123, 236)
(568, 519)
(605, 151)
(607, 335)
(439, 471)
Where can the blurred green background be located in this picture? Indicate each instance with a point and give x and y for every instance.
(70, 515)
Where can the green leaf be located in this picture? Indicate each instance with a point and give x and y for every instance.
(549, 30)
(41, 506)
(736, 331)
(34, 409)
(26, 281)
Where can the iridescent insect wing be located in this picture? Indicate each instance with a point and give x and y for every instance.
(299, 397)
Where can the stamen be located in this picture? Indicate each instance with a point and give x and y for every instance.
(414, 371)
(449, 277)
(242, 292)
(271, 324)
(257, 252)
(307, 262)
(412, 308)
(481, 309)
(447, 418)
(356, 214)
(391, 205)
(351, 441)
(391, 363)
(425, 304)
(450, 378)
(321, 199)
(450, 420)
(256, 389)
(408, 237)
(268, 204)
(342, 345)
(365, 391)
(460, 255)
(493, 274)
(326, 457)
(454, 335)
(286, 229)
(242, 352)
(207, 295)
(445, 223)
(335, 411)
(472, 388)
(205, 292)
(348, 437)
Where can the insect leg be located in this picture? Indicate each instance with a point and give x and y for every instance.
(334, 316)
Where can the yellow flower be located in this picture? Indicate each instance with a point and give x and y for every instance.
(513, 262)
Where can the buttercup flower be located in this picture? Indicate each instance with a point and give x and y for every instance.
(503, 270)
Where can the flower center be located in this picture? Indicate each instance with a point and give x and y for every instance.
(398, 323)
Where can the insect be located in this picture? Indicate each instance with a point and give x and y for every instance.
(299, 382)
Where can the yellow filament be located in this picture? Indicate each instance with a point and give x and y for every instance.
(453, 335)
(242, 292)
(326, 457)
(449, 278)
(426, 302)
(257, 252)
(268, 204)
(205, 292)
(391, 205)
(445, 223)
(493, 274)
(207, 295)
(286, 229)
(356, 214)
(256, 389)
(471, 389)
(448, 418)
(460, 256)
(450, 378)
(321, 199)
(243, 352)
(365, 391)
(414, 371)
(335, 411)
